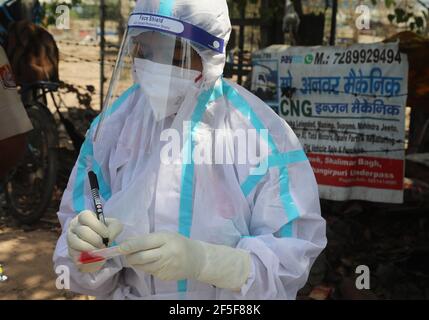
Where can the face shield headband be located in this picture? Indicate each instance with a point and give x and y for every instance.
(157, 58)
(178, 28)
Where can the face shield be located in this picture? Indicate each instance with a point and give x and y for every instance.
(165, 67)
(159, 62)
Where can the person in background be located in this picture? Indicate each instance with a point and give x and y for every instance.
(14, 122)
(37, 13)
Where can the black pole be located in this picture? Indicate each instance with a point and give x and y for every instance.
(102, 50)
(334, 22)
(241, 44)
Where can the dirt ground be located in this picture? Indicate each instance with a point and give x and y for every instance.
(26, 252)
(26, 256)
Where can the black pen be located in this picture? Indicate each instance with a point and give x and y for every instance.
(93, 182)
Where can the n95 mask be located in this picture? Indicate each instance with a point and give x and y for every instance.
(164, 86)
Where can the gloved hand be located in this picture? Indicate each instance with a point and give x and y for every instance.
(172, 257)
(86, 233)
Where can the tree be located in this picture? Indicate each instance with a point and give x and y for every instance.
(124, 11)
(406, 13)
(311, 28)
(272, 12)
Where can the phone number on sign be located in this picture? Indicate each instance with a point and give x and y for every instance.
(388, 56)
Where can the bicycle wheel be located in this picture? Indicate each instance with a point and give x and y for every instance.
(30, 186)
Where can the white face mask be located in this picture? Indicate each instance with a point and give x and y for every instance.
(164, 86)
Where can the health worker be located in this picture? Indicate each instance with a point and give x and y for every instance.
(191, 223)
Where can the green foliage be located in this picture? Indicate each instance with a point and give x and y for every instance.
(400, 14)
(269, 11)
(388, 3)
(405, 14)
(274, 11)
(49, 10)
(82, 10)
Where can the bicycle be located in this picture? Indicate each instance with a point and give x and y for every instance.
(29, 187)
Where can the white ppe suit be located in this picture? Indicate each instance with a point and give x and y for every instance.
(273, 214)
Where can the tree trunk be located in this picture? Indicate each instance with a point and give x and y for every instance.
(272, 27)
(311, 28)
(124, 7)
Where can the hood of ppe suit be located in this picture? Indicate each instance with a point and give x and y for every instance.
(211, 16)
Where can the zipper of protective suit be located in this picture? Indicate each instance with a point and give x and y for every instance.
(204, 87)
(152, 215)
(151, 230)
